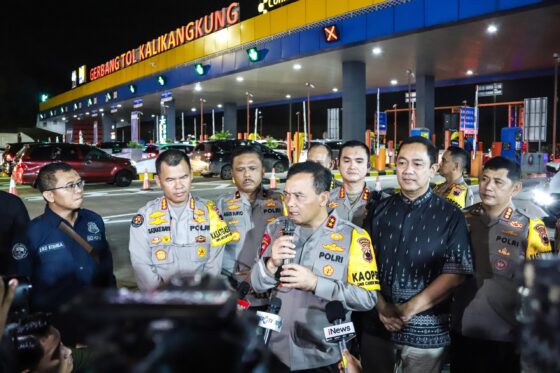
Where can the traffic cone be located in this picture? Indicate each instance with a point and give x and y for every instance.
(377, 184)
(273, 179)
(13, 189)
(146, 183)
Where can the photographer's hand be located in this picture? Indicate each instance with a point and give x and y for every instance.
(6, 298)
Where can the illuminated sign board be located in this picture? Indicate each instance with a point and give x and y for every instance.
(267, 5)
(82, 74)
(74, 78)
(331, 33)
(206, 25)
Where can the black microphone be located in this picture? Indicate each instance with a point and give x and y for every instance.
(242, 291)
(289, 229)
(337, 315)
(273, 308)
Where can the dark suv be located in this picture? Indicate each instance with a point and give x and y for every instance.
(214, 157)
(9, 155)
(93, 164)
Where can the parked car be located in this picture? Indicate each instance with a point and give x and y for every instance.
(113, 147)
(93, 164)
(9, 155)
(214, 157)
(150, 151)
(187, 148)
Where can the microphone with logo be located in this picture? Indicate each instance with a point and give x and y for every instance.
(270, 320)
(342, 331)
(242, 291)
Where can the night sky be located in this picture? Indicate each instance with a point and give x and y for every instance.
(43, 41)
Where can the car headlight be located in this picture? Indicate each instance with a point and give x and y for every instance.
(133, 163)
(542, 198)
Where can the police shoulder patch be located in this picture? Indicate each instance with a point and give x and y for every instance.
(19, 251)
(137, 220)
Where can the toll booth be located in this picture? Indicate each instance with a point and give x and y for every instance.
(512, 141)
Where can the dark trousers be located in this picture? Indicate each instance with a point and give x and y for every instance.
(479, 355)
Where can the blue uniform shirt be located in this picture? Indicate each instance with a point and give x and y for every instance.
(58, 266)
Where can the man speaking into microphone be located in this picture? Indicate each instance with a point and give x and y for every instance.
(325, 259)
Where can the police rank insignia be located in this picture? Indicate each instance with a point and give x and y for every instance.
(333, 204)
(157, 221)
(331, 222)
(333, 247)
(92, 227)
(137, 220)
(157, 214)
(200, 239)
(336, 236)
(198, 212)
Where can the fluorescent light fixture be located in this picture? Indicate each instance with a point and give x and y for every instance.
(492, 29)
(297, 66)
(376, 51)
(239, 79)
(394, 82)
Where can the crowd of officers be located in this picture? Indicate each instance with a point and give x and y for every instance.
(427, 277)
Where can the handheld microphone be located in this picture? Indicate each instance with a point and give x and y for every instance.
(242, 291)
(342, 331)
(289, 229)
(270, 320)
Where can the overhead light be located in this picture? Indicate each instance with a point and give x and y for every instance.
(250, 101)
(239, 79)
(297, 66)
(101, 110)
(193, 109)
(492, 29)
(132, 88)
(161, 80)
(377, 51)
(44, 97)
(87, 112)
(470, 72)
(197, 87)
(219, 106)
(153, 115)
(394, 82)
(119, 105)
(335, 89)
(288, 96)
(122, 120)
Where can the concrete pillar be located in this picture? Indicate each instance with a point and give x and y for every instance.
(353, 100)
(230, 117)
(109, 123)
(425, 93)
(168, 109)
(135, 126)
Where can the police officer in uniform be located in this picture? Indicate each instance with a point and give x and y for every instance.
(177, 233)
(50, 254)
(502, 238)
(323, 154)
(454, 189)
(350, 199)
(330, 259)
(247, 211)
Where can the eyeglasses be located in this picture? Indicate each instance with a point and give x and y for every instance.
(70, 187)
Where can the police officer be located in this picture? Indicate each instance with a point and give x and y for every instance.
(54, 251)
(502, 238)
(177, 233)
(453, 162)
(351, 198)
(13, 223)
(331, 259)
(247, 211)
(322, 154)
